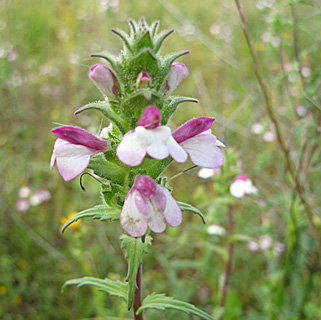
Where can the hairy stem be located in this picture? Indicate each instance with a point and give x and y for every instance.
(138, 294)
(281, 141)
(228, 267)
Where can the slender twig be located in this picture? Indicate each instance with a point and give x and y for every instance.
(274, 119)
(228, 267)
(138, 294)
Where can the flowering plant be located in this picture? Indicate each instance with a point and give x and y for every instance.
(131, 154)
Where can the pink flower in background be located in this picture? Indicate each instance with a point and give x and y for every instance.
(177, 73)
(40, 196)
(196, 138)
(105, 80)
(148, 204)
(254, 246)
(22, 205)
(241, 186)
(149, 137)
(72, 150)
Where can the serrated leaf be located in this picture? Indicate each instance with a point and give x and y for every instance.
(187, 207)
(134, 250)
(107, 111)
(101, 212)
(161, 302)
(114, 288)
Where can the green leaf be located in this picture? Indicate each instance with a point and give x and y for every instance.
(107, 111)
(134, 250)
(124, 37)
(114, 288)
(188, 207)
(160, 39)
(167, 111)
(110, 58)
(101, 212)
(161, 302)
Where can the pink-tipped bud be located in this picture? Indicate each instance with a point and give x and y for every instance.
(144, 80)
(177, 73)
(105, 80)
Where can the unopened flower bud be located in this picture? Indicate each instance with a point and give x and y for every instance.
(105, 80)
(177, 73)
(144, 80)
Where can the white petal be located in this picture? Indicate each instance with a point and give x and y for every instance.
(71, 159)
(176, 151)
(132, 221)
(220, 143)
(172, 212)
(158, 148)
(203, 151)
(156, 222)
(132, 149)
(237, 189)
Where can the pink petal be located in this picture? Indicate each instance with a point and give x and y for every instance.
(80, 136)
(203, 151)
(172, 212)
(150, 118)
(131, 219)
(132, 149)
(145, 185)
(192, 128)
(241, 176)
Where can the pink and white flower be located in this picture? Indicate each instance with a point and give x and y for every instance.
(148, 204)
(196, 138)
(72, 150)
(176, 74)
(241, 186)
(105, 80)
(149, 137)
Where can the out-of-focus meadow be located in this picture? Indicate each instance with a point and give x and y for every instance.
(44, 62)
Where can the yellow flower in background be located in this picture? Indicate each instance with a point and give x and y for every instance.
(75, 225)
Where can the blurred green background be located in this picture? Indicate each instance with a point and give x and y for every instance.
(44, 62)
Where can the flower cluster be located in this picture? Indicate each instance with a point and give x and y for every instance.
(141, 133)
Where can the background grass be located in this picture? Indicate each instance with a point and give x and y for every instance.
(44, 61)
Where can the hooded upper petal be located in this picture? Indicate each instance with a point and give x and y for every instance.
(79, 136)
(192, 128)
(150, 118)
